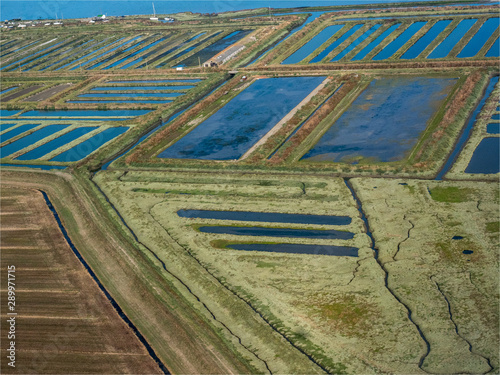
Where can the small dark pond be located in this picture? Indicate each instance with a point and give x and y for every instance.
(298, 249)
(268, 217)
(496, 116)
(8, 112)
(9, 89)
(457, 238)
(486, 157)
(493, 128)
(278, 232)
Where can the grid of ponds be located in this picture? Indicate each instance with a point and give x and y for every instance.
(384, 122)
(418, 47)
(246, 118)
(54, 144)
(122, 113)
(401, 40)
(30, 139)
(16, 131)
(109, 58)
(336, 43)
(213, 49)
(371, 46)
(356, 42)
(18, 62)
(90, 145)
(172, 50)
(445, 47)
(472, 48)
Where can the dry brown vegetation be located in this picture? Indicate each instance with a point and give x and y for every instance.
(64, 324)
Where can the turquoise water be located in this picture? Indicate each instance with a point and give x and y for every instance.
(384, 122)
(278, 232)
(142, 88)
(89, 113)
(266, 217)
(337, 43)
(493, 128)
(421, 44)
(313, 44)
(8, 112)
(17, 131)
(56, 143)
(486, 156)
(472, 48)
(401, 40)
(5, 126)
(237, 126)
(213, 49)
(365, 51)
(135, 61)
(445, 47)
(298, 249)
(494, 51)
(356, 42)
(30, 139)
(88, 146)
(107, 59)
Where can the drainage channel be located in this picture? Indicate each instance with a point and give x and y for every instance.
(103, 289)
(386, 273)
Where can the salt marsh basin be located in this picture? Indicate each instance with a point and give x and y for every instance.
(384, 122)
(230, 132)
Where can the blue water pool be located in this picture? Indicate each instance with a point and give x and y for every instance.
(399, 42)
(89, 113)
(88, 146)
(356, 42)
(337, 43)
(7, 112)
(9, 89)
(140, 88)
(445, 47)
(230, 132)
(493, 128)
(159, 81)
(365, 51)
(298, 249)
(278, 232)
(472, 48)
(17, 131)
(313, 44)
(5, 126)
(494, 51)
(134, 94)
(486, 156)
(266, 217)
(121, 101)
(30, 139)
(43, 167)
(384, 122)
(56, 143)
(421, 44)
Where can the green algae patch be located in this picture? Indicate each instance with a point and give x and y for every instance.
(493, 227)
(451, 194)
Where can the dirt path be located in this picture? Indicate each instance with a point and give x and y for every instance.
(284, 120)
